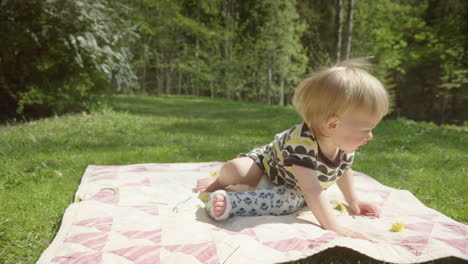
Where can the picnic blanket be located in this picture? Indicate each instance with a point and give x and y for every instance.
(149, 213)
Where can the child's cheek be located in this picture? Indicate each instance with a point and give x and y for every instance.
(358, 140)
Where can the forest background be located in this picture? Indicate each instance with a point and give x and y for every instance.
(60, 56)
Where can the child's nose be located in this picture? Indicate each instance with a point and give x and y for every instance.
(369, 136)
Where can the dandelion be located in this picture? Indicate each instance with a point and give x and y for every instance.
(340, 206)
(204, 196)
(398, 227)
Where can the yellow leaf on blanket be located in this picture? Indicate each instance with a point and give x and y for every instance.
(78, 199)
(204, 196)
(213, 174)
(398, 227)
(339, 206)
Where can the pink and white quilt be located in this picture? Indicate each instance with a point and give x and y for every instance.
(149, 213)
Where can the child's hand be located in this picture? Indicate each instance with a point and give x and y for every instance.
(364, 208)
(350, 233)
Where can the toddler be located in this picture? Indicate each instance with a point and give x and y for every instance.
(339, 106)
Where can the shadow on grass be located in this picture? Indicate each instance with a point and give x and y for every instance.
(348, 256)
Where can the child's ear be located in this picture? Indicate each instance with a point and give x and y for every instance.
(332, 123)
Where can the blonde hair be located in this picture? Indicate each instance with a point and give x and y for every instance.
(335, 90)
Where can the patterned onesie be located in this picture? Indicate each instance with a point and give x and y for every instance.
(295, 146)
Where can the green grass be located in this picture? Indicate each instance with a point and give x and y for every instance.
(42, 161)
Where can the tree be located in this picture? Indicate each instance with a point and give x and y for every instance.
(318, 39)
(350, 28)
(55, 55)
(339, 26)
(420, 54)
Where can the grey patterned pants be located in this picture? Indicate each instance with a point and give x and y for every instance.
(277, 200)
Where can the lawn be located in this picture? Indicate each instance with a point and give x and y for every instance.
(42, 161)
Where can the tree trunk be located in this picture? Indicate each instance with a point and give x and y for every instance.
(211, 89)
(197, 47)
(210, 60)
(158, 73)
(284, 72)
(443, 112)
(281, 102)
(143, 78)
(179, 43)
(350, 28)
(228, 21)
(168, 82)
(339, 26)
(258, 97)
(282, 89)
(159, 81)
(269, 90)
(192, 87)
(179, 82)
(183, 85)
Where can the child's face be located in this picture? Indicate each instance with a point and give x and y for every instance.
(353, 129)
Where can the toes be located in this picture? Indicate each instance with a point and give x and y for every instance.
(219, 198)
(219, 204)
(218, 212)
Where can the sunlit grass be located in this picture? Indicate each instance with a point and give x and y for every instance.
(42, 161)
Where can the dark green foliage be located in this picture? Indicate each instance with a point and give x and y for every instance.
(222, 48)
(420, 54)
(259, 50)
(56, 54)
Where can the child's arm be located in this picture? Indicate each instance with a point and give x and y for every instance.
(316, 200)
(345, 183)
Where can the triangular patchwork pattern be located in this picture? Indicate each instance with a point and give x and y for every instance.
(247, 231)
(325, 238)
(95, 240)
(288, 244)
(137, 168)
(455, 228)
(460, 244)
(383, 193)
(414, 244)
(103, 224)
(152, 235)
(107, 196)
(140, 254)
(141, 231)
(79, 258)
(144, 183)
(300, 244)
(205, 252)
(149, 209)
(108, 173)
(427, 217)
(421, 227)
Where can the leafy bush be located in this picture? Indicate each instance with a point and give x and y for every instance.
(57, 54)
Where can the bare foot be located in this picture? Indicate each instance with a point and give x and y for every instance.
(219, 205)
(209, 184)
